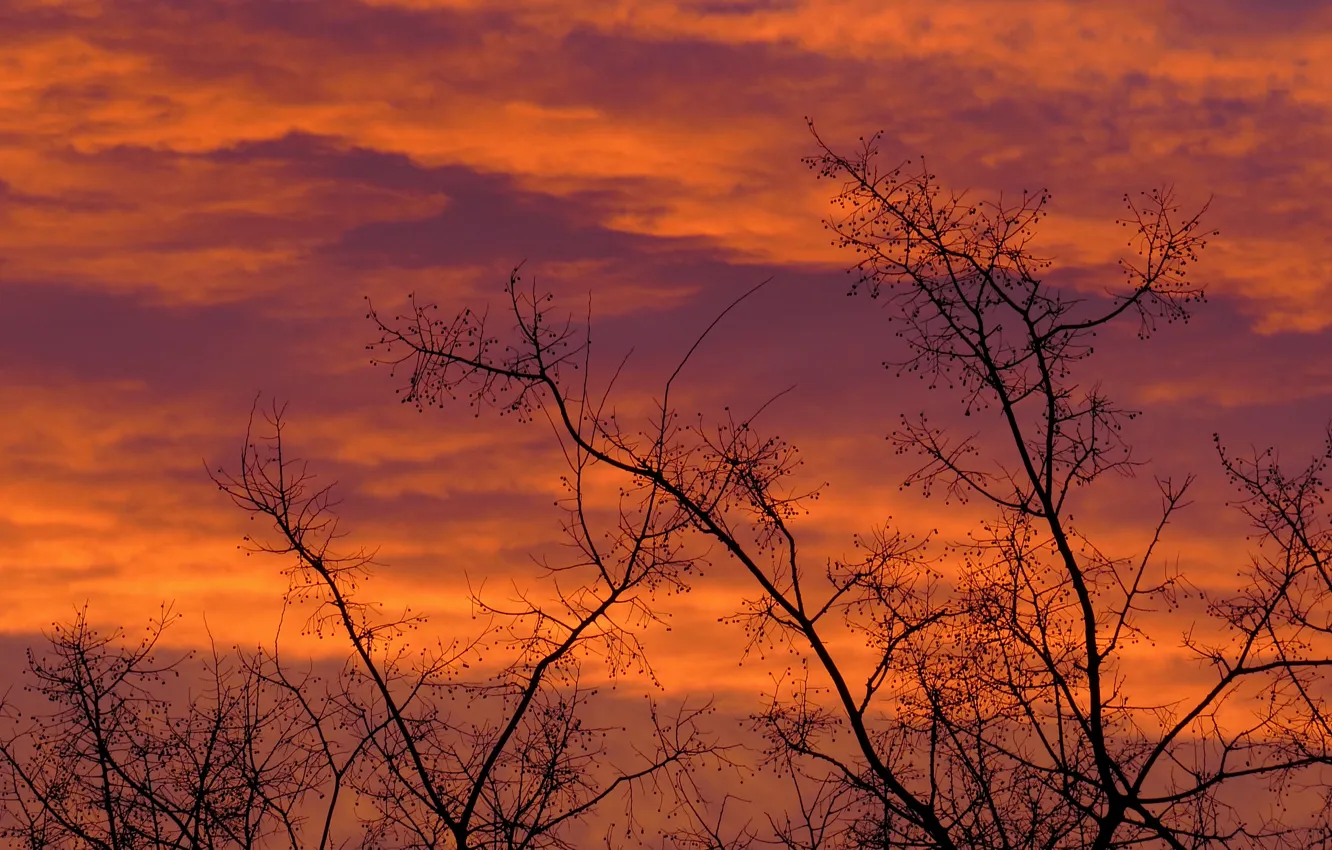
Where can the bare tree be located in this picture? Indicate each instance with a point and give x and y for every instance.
(998, 709)
(269, 753)
(117, 763)
(507, 760)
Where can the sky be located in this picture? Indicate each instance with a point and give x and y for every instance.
(197, 198)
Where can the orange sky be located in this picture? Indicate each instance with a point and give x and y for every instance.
(195, 197)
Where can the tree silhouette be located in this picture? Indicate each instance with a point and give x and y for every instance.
(508, 761)
(118, 764)
(432, 757)
(998, 709)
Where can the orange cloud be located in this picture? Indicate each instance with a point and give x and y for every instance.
(184, 222)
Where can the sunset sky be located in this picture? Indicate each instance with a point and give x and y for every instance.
(197, 197)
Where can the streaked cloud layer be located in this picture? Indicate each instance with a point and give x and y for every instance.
(196, 197)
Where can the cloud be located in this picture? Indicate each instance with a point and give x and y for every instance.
(187, 221)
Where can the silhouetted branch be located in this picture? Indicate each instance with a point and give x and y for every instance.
(994, 711)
